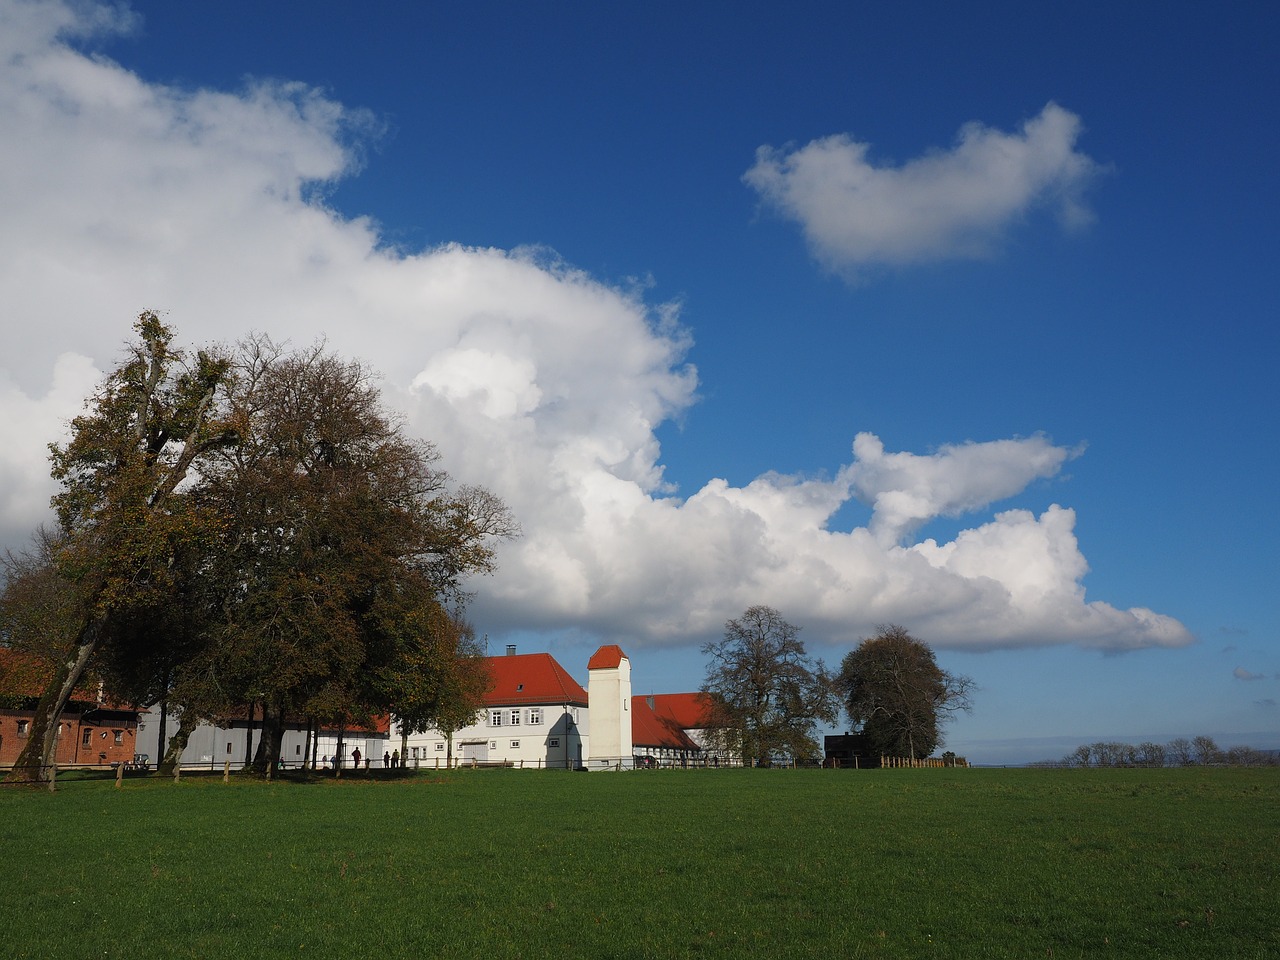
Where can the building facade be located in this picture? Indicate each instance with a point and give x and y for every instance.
(536, 716)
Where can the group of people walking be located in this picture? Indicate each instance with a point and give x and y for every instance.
(391, 761)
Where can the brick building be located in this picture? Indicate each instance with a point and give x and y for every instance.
(90, 731)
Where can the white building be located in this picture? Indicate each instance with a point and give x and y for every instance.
(609, 684)
(535, 716)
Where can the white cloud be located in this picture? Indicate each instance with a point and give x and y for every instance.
(1240, 673)
(534, 378)
(906, 489)
(942, 205)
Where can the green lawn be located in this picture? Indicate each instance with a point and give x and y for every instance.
(728, 863)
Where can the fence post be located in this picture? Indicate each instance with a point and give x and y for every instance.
(119, 775)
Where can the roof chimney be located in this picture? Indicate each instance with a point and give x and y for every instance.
(511, 649)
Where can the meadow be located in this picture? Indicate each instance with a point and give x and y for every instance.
(724, 863)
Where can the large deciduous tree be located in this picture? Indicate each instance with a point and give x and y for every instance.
(344, 552)
(125, 513)
(894, 690)
(250, 527)
(765, 693)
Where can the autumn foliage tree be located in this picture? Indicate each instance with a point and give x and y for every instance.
(253, 527)
(124, 517)
(895, 692)
(341, 567)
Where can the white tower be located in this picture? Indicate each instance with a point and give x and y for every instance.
(609, 693)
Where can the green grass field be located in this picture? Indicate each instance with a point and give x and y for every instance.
(731, 863)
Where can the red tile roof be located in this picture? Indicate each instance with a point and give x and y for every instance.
(606, 658)
(24, 676)
(686, 710)
(532, 678)
(653, 727)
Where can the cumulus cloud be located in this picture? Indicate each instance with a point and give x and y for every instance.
(906, 489)
(1240, 673)
(942, 205)
(535, 379)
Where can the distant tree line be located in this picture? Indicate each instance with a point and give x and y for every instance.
(1180, 752)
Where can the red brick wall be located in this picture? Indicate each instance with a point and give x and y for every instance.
(72, 748)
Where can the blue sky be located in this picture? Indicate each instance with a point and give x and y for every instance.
(648, 271)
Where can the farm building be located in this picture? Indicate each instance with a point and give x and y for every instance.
(92, 730)
(536, 715)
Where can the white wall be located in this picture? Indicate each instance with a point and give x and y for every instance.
(609, 689)
(535, 736)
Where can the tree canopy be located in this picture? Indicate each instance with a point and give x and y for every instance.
(766, 694)
(894, 690)
(125, 514)
(254, 527)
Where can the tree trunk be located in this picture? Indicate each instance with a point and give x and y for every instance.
(187, 724)
(268, 753)
(32, 765)
(249, 759)
(164, 720)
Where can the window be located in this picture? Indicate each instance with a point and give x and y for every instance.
(23, 727)
(228, 746)
(515, 744)
(118, 736)
(297, 749)
(535, 715)
(553, 742)
(515, 718)
(493, 744)
(495, 718)
(439, 746)
(86, 738)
